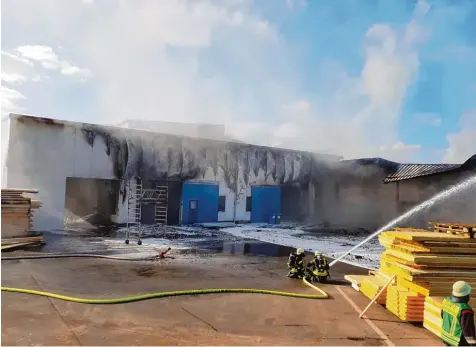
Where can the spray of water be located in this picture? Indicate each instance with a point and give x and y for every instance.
(440, 196)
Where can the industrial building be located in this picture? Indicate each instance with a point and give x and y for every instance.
(118, 175)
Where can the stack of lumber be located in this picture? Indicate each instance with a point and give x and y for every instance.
(372, 285)
(425, 265)
(17, 212)
(14, 243)
(405, 304)
(356, 280)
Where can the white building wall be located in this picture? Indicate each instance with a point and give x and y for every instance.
(5, 144)
(43, 153)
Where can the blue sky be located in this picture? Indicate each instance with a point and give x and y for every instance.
(388, 78)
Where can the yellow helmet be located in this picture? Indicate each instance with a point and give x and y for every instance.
(317, 253)
(300, 251)
(461, 288)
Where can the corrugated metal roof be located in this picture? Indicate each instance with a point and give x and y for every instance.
(407, 171)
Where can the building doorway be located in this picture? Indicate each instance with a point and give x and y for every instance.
(91, 203)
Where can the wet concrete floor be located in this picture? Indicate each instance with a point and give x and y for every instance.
(217, 319)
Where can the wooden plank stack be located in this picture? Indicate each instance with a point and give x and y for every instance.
(14, 243)
(426, 264)
(17, 212)
(372, 285)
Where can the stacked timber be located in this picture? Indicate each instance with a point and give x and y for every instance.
(14, 243)
(17, 212)
(372, 285)
(424, 265)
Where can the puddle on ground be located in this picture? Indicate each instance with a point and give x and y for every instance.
(200, 243)
(255, 248)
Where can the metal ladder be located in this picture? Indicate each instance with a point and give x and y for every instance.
(134, 203)
(162, 192)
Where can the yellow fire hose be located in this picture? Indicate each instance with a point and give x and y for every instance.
(322, 295)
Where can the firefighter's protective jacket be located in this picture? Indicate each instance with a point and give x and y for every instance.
(296, 260)
(318, 263)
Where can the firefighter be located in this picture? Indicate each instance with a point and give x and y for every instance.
(296, 264)
(458, 317)
(318, 268)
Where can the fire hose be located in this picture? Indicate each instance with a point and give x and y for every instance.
(322, 295)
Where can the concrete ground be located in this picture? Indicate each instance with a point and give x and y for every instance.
(216, 319)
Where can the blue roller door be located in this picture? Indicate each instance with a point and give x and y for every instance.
(265, 201)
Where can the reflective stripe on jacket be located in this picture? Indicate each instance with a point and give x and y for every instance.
(452, 330)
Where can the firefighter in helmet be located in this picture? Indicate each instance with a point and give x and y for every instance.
(318, 268)
(296, 264)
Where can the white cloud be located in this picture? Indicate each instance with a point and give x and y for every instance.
(220, 61)
(46, 56)
(462, 144)
(68, 69)
(11, 100)
(42, 54)
(13, 78)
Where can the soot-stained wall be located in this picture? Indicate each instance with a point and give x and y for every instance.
(44, 152)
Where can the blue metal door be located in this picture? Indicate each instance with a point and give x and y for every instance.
(200, 203)
(192, 211)
(265, 201)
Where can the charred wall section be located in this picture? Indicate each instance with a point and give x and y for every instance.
(164, 157)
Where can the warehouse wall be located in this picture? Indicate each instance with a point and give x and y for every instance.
(460, 208)
(5, 144)
(355, 197)
(362, 200)
(45, 152)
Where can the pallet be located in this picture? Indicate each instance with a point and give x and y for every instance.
(454, 228)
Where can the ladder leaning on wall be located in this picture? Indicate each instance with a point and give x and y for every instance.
(134, 202)
(136, 196)
(162, 195)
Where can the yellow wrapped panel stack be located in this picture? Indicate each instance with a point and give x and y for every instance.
(426, 264)
(405, 304)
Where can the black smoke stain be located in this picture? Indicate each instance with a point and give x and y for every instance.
(175, 158)
(168, 157)
(305, 172)
(223, 164)
(202, 158)
(116, 146)
(233, 166)
(190, 161)
(253, 161)
(244, 162)
(288, 170)
(263, 160)
(271, 165)
(280, 167)
(212, 159)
